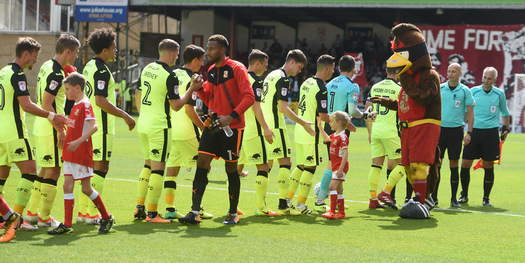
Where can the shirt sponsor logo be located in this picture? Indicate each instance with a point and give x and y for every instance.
(284, 91)
(22, 85)
(101, 84)
(53, 85)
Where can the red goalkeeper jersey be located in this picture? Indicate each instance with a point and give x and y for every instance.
(232, 76)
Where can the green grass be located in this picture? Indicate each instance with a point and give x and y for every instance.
(473, 233)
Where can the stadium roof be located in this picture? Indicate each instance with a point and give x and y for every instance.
(340, 12)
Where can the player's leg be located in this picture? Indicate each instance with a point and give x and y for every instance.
(49, 191)
(207, 150)
(102, 148)
(229, 151)
(12, 221)
(391, 165)
(327, 175)
(490, 153)
(34, 201)
(378, 158)
(340, 202)
(107, 220)
(23, 193)
(144, 178)
(311, 159)
(159, 143)
(297, 172)
(170, 185)
(470, 152)
(454, 152)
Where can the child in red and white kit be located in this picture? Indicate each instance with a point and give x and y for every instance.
(78, 156)
(339, 158)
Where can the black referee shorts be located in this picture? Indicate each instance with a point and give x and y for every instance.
(484, 144)
(220, 145)
(451, 139)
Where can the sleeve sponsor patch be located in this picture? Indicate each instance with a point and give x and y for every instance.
(176, 89)
(194, 95)
(22, 85)
(258, 91)
(101, 84)
(284, 91)
(53, 85)
(323, 104)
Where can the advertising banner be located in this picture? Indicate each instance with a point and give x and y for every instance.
(476, 47)
(101, 11)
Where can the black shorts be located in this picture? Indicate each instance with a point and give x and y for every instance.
(329, 131)
(451, 139)
(484, 144)
(220, 145)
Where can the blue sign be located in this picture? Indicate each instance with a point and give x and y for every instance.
(101, 11)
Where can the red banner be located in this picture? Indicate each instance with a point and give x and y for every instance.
(476, 47)
(359, 72)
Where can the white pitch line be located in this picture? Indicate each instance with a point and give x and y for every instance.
(352, 201)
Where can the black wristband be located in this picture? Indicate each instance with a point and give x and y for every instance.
(469, 133)
(234, 114)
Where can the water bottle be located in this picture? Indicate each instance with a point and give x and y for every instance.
(228, 131)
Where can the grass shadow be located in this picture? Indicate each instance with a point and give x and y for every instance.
(410, 224)
(140, 227)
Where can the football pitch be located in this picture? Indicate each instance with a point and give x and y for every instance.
(472, 233)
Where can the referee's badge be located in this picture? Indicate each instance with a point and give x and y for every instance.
(492, 109)
(22, 85)
(284, 91)
(53, 85)
(458, 103)
(101, 84)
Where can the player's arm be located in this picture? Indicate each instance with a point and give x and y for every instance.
(101, 92)
(138, 99)
(283, 108)
(343, 162)
(176, 103)
(47, 104)
(194, 117)
(246, 90)
(470, 120)
(326, 137)
(103, 103)
(368, 122)
(504, 112)
(268, 133)
(57, 120)
(73, 146)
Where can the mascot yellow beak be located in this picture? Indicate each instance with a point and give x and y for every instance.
(399, 60)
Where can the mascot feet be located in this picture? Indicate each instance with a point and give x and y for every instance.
(414, 210)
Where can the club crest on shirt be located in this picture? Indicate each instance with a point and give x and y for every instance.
(355, 97)
(22, 85)
(53, 85)
(225, 74)
(101, 84)
(284, 91)
(492, 109)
